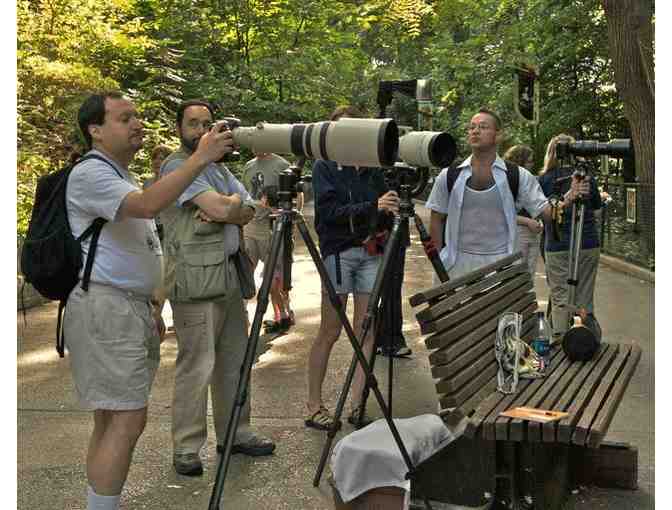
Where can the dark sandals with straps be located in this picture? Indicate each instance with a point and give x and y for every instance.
(321, 420)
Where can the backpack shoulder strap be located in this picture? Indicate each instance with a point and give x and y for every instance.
(513, 177)
(451, 176)
(94, 229)
(99, 158)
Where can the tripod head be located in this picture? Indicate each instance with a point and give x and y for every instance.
(404, 179)
(408, 182)
(290, 183)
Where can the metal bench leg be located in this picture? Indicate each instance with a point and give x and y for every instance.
(507, 493)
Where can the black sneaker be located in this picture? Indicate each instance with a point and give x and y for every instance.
(399, 352)
(285, 324)
(256, 446)
(273, 327)
(188, 464)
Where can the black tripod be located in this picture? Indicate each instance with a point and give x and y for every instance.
(288, 185)
(392, 249)
(391, 291)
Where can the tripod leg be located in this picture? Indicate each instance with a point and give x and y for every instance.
(388, 320)
(430, 249)
(336, 302)
(283, 223)
(287, 247)
(380, 282)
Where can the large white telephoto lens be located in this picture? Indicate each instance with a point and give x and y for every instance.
(356, 142)
(427, 149)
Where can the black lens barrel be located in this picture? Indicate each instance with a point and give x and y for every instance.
(621, 148)
(442, 150)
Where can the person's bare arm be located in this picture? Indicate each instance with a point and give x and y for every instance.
(437, 223)
(149, 202)
(224, 208)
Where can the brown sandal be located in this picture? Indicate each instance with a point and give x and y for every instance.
(321, 420)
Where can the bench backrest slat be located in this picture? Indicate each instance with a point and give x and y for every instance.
(446, 288)
(478, 344)
(466, 294)
(479, 302)
(445, 336)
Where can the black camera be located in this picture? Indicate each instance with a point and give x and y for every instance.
(231, 124)
(620, 148)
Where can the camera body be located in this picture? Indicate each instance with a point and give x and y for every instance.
(231, 124)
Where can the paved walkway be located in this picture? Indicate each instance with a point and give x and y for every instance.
(53, 432)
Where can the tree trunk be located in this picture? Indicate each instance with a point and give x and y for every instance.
(630, 30)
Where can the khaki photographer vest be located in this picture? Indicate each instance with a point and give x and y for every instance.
(196, 263)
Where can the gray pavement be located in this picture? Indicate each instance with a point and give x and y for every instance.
(53, 432)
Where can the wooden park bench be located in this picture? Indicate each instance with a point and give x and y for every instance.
(513, 458)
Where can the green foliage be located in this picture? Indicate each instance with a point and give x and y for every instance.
(295, 60)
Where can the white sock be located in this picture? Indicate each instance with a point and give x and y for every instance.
(98, 502)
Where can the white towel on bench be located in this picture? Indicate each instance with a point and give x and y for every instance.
(370, 458)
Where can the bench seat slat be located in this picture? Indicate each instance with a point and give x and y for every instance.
(497, 427)
(517, 426)
(494, 403)
(549, 403)
(599, 396)
(601, 424)
(582, 398)
(549, 430)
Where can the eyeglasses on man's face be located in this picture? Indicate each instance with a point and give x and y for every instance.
(481, 126)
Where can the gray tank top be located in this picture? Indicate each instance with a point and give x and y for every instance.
(483, 228)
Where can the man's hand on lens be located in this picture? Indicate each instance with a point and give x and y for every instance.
(215, 143)
(579, 188)
(389, 202)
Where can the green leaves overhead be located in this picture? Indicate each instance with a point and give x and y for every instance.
(295, 60)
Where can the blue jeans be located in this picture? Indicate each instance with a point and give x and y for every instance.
(357, 272)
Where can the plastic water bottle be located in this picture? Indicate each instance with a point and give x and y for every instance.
(542, 342)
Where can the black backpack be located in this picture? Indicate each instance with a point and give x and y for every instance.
(512, 176)
(51, 258)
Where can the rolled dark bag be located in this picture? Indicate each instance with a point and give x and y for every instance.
(582, 340)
